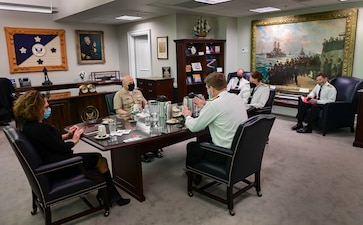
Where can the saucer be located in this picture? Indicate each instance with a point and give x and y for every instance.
(101, 138)
(172, 121)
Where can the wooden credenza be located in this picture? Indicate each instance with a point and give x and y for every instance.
(69, 110)
(153, 87)
(358, 141)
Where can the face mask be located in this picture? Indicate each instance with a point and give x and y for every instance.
(131, 86)
(209, 94)
(47, 113)
(252, 85)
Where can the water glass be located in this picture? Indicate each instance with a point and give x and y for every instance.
(112, 127)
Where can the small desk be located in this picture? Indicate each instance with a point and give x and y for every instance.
(126, 157)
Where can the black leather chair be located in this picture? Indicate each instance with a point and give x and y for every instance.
(48, 191)
(244, 159)
(109, 102)
(6, 100)
(268, 106)
(341, 113)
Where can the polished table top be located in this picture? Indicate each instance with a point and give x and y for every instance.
(140, 133)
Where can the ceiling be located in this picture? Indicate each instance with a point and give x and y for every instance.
(105, 11)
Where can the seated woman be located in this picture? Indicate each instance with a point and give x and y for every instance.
(30, 109)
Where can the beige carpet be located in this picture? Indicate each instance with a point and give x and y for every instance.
(306, 179)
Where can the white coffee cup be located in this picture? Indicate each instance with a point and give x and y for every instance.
(101, 130)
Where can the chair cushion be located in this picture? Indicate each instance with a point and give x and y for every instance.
(213, 169)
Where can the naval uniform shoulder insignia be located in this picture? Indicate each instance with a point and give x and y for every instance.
(214, 98)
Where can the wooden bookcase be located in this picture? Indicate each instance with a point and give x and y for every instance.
(193, 56)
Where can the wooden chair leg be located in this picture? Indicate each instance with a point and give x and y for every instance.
(230, 200)
(48, 215)
(258, 183)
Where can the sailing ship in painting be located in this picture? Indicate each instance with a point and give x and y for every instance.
(276, 51)
(300, 68)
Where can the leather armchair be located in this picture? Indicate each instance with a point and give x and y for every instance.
(341, 113)
(267, 109)
(243, 159)
(47, 190)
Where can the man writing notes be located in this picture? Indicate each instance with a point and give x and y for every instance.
(322, 93)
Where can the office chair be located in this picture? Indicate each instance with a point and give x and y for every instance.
(109, 102)
(244, 159)
(48, 191)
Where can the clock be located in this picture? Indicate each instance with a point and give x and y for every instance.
(91, 88)
(83, 89)
(193, 50)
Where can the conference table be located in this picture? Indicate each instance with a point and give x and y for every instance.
(126, 150)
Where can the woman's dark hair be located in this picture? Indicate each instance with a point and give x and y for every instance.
(256, 75)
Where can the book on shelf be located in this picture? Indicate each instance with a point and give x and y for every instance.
(188, 68)
(197, 78)
(197, 66)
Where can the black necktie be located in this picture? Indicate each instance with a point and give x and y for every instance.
(250, 98)
(321, 87)
(237, 85)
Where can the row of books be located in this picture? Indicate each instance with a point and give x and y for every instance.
(195, 78)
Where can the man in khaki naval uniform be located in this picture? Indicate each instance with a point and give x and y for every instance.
(127, 97)
(322, 93)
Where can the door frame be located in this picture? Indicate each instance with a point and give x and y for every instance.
(131, 47)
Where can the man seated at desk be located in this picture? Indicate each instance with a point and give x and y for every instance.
(239, 85)
(222, 121)
(125, 102)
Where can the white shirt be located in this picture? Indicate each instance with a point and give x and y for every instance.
(222, 115)
(328, 93)
(260, 96)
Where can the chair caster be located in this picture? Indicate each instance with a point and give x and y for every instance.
(259, 193)
(107, 213)
(34, 211)
(190, 194)
(231, 212)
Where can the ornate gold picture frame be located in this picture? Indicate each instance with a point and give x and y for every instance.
(90, 47)
(30, 50)
(291, 50)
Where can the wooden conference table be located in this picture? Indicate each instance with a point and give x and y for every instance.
(126, 156)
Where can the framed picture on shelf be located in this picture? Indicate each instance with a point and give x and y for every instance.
(197, 66)
(90, 47)
(197, 78)
(189, 80)
(162, 45)
(217, 49)
(166, 71)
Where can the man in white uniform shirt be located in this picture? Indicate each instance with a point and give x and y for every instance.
(322, 93)
(259, 93)
(222, 114)
(239, 85)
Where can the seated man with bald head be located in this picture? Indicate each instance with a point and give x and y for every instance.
(124, 103)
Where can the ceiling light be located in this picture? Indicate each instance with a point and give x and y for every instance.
(26, 8)
(264, 9)
(128, 18)
(212, 2)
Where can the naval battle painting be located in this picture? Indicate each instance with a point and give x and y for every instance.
(290, 51)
